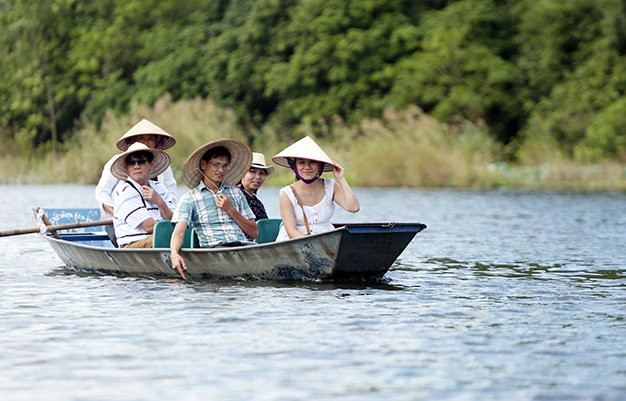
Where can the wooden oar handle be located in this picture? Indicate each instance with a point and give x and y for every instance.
(56, 227)
(47, 222)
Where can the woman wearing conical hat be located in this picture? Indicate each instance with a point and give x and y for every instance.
(307, 205)
(153, 137)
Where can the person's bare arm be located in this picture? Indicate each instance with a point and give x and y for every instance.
(289, 217)
(176, 242)
(248, 226)
(344, 195)
(153, 196)
(108, 209)
(148, 225)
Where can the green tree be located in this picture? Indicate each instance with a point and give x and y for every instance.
(579, 78)
(460, 71)
(174, 47)
(106, 53)
(341, 58)
(239, 54)
(38, 84)
(532, 70)
(291, 61)
(606, 134)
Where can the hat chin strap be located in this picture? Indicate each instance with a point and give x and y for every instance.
(292, 164)
(219, 189)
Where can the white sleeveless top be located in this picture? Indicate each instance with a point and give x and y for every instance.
(318, 215)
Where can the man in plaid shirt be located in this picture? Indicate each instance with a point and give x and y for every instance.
(214, 206)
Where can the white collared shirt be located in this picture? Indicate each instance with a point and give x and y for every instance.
(106, 186)
(131, 209)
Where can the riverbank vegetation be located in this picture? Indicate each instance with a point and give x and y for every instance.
(402, 148)
(436, 93)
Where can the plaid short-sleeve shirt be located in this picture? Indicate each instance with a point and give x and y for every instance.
(198, 209)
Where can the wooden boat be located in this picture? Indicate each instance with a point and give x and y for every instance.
(350, 251)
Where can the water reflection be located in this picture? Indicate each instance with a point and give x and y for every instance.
(507, 295)
(199, 285)
(513, 270)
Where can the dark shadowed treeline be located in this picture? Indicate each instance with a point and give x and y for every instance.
(532, 74)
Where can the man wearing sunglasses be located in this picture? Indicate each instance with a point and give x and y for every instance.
(139, 202)
(153, 137)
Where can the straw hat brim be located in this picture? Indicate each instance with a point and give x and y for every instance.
(161, 161)
(258, 161)
(269, 169)
(305, 148)
(145, 127)
(240, 160)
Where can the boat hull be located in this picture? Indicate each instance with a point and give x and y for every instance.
(360, 251)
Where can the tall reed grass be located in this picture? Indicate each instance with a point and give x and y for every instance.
(406, 148)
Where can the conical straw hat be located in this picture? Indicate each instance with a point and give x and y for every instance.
(145, 127)
(161, 161)
(305, 148)
(240, 160)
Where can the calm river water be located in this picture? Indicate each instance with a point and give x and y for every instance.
(506, 295)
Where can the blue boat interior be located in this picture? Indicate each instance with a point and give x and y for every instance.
(96, 236)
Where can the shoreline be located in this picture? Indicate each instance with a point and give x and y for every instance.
(589, 178)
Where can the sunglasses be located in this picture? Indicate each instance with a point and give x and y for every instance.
(139, 162)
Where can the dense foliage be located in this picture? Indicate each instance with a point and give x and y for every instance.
(527, 71)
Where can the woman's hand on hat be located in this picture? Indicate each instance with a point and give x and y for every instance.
(338, 171)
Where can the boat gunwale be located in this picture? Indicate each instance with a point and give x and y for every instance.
(338, 227)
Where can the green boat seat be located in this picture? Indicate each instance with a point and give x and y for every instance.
(163, 233)
(268, 230)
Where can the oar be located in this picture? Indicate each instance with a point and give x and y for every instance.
(55, 227)
(47, 222)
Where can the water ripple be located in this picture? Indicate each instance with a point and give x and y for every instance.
(504, 296)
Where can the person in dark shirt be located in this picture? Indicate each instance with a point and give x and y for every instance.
(252, 181)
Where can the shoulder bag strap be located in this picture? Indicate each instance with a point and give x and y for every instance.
(306, 221)
(139, 192)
